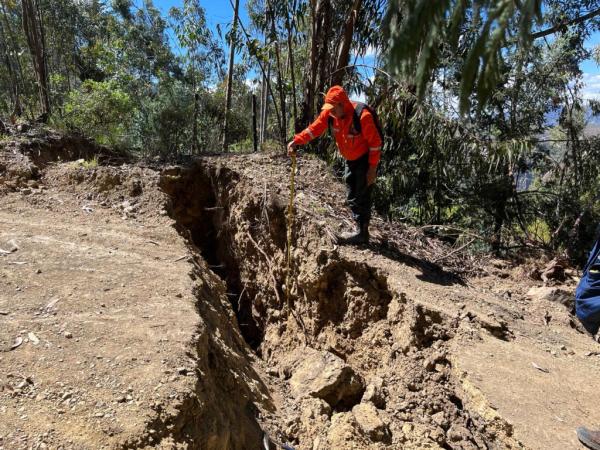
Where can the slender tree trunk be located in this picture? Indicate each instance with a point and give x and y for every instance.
(264, 114)
(254, 132)
(264, 95)
(262, 69)
(195, 123)
(230, 74)
(288, 26)
(280, 87)
(344, 49)
(34, 32)
(307, 106)
(14, 87)
(20, 78)
(324, 61)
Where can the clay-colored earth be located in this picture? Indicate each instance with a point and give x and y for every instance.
(150, 310)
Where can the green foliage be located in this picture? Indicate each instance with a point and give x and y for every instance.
(466, 122)
(100, 110)
(418, 33)
(87, 164)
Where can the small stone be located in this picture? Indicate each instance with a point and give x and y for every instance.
(375, 393)
(457, 433)
(273, 371)
(367, 417)
(33, 338)
(38, 271)
(440, 419)
(68, 334)
(18, 342)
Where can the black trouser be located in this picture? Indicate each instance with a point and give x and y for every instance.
(359, 194)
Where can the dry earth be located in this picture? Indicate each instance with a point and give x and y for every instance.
(145, 307)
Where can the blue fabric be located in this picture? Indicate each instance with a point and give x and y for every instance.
(587, 294)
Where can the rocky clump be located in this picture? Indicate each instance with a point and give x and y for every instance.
(326, 376)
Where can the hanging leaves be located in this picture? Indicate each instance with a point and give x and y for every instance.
(417, 34)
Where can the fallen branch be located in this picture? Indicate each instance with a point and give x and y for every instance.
(463, 231)
(454, 251)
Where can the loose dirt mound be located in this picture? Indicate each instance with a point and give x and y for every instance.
(373, 347)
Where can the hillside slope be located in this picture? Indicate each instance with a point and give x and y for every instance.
(150, 311)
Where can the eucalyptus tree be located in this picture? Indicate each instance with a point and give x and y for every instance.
(465, 117)
(232, 45)
(485, 28)
(202, 53)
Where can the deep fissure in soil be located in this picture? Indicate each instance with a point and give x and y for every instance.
(344, 301)
(200, 219)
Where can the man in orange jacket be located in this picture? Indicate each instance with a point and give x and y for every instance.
(361, 148)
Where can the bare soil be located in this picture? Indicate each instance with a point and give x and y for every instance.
(150, 311)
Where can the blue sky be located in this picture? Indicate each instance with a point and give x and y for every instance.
(591, 71)
(220, 12)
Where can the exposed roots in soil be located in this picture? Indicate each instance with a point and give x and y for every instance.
(395, 384)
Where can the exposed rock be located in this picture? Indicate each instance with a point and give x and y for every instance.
(344, 432)
(315, 408)
(457, 433)
(135, 188)
(314, 416)
(326, 376)
(375, 393)
(552, 294)
(554, 270)
(369, 421)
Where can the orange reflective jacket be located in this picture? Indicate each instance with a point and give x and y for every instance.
(351, 144)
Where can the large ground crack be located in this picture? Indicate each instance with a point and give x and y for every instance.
(386, 352)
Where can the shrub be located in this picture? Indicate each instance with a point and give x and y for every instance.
(100, 110)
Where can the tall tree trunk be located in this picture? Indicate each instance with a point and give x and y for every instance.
(33, 28)
(288, 26)
(307, 107)
(20, 79)
(267, 79)
(230, 74)
(280, 87)
(264, 114)
(14, 82)
(195, 123)
(254, 132)
(343, 55)
(324, 59)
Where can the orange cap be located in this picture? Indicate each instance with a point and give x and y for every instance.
(336, 94)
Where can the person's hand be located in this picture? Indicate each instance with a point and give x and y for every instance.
(291, 149)
(371, 175)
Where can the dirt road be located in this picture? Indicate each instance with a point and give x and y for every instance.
(145, 308)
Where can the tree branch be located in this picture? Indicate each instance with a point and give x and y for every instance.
(566, 23)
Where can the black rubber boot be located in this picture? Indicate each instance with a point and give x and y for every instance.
(360, 236)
